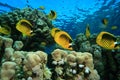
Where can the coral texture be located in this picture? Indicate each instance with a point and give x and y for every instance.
(41, 27)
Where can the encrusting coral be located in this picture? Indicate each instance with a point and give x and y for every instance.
(71, 69)
(59, 59)
(28, 64)
(18, 45)
(23, 65)
(8, 42)
(73, 66)
(8, 70)
(8, 53)
(67, 65)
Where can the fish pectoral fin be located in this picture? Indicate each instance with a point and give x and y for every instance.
(32, 34)
(117, 44)
(70, 45)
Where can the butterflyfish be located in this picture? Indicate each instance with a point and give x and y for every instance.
(25, 27)
(52, 15)
(54, 31)
(42, 7)
(63, 39)
(43, 43)
(105, 21)
(114, 27)
(107, 41)
(5, 30)
(87, 31)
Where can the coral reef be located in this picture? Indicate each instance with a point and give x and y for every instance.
(105, 61)
(18, 45)
(8, 70)
(59, 60)
(41, 27)
(24, 57)
(71, 65)
(117, 57)
(27, 65)
(17, 65)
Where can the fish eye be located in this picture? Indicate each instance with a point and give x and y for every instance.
(52, 12)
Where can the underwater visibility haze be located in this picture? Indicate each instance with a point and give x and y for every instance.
(60, 40)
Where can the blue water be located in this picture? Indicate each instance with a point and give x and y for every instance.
(73, 15)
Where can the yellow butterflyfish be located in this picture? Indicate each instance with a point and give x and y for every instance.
(52, 15)
(105, 21)
(24, 26)
(43, 43)
(42, 7)
(87, 31)
(54, 31)
(114, 27)
(63, 39)
(5, 30)
(107, 41)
